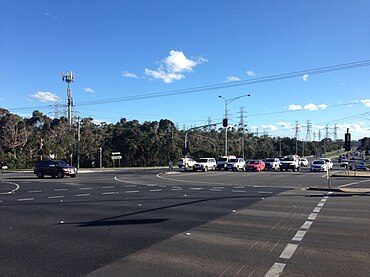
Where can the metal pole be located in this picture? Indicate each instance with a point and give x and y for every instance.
(78, 143)
(100, 157)
(226, 128)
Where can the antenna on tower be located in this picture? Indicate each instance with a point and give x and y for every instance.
(69, 77)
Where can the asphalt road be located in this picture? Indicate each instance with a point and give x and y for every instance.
(145, 223)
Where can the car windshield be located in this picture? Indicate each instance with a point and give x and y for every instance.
(253, 162)
(222, 160)
(62, 163)
(270, 160)
(233, 160)
(202, 160)
(318, 162)
(288, 159)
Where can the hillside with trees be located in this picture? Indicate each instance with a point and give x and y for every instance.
(151, 143)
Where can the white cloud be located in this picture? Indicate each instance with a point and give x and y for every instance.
(129, 75)
(286, 125)
(172, 67)
(307, 107)
(305, 77)
(45, 97)
(89, 90)
(313, 107)
(164, 76)
(232, 79)
(366, 102)
(269, 127)
(357, 127)
(294, 107)
(250, 73)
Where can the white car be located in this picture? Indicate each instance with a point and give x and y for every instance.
(272, 163)
(304, 162)
(319, 165)
(189, 162)
(236, 164)
(329, 162)
(205, 164)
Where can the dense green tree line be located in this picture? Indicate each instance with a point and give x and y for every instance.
(152, 143)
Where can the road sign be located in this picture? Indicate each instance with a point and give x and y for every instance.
(116, 153)
(116, 157)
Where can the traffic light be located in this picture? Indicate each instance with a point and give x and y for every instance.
(347, 141)
(184, 151)
(224, 122)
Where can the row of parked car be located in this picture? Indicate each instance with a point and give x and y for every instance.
(291, 162)
(236, 164)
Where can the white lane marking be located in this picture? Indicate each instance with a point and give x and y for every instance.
(162, 186)
(239, 187)
(13, 190)
(266, 192)
(85, 188)
(307, 225)
(56, 196)
(176, 189)
(82, 195)
(34, 191)
(354, 183)
(312, 216)
(215, 189)
(110, 192)
(132, 191)
(289, 251)
(320, 204)
(241, 191)
(25, 199)
(154, 190)
(108, 187)
(275, 270)
(60, 189)
(299, 235)
(130, 186)
(196, 188)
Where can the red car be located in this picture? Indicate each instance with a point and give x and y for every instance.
(255, 165)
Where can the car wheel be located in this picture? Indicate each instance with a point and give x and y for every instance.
(73, 175)
(60, 174)
(298, 169)
(205, 169)
(40, 175)
(281, 169)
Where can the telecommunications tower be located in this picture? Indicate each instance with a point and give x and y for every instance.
(69, 77)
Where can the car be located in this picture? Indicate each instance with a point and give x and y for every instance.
(255, 165)
(319, 165)
(290, 162)
(236, 164)
(272, 163)
(222, 162)
(304, 162)
(344, 163)
(54, 168)
(329, 162)
(359, 166)
(189, 162)
(205, 164)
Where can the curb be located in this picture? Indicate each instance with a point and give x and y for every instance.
(346, 190)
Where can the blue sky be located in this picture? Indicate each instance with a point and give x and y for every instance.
(119, 49)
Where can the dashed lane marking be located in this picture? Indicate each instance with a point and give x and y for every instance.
(34, 191)
(25, 199)
(278, 268)
(56, 196)
(82, 195)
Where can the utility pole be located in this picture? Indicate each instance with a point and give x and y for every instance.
(225, 121)
(296, 137)
(69, 77)
(78, 142)
(308, 134)
(241, 128)
(335, 132)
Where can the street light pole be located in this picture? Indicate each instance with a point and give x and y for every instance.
(225, 122)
